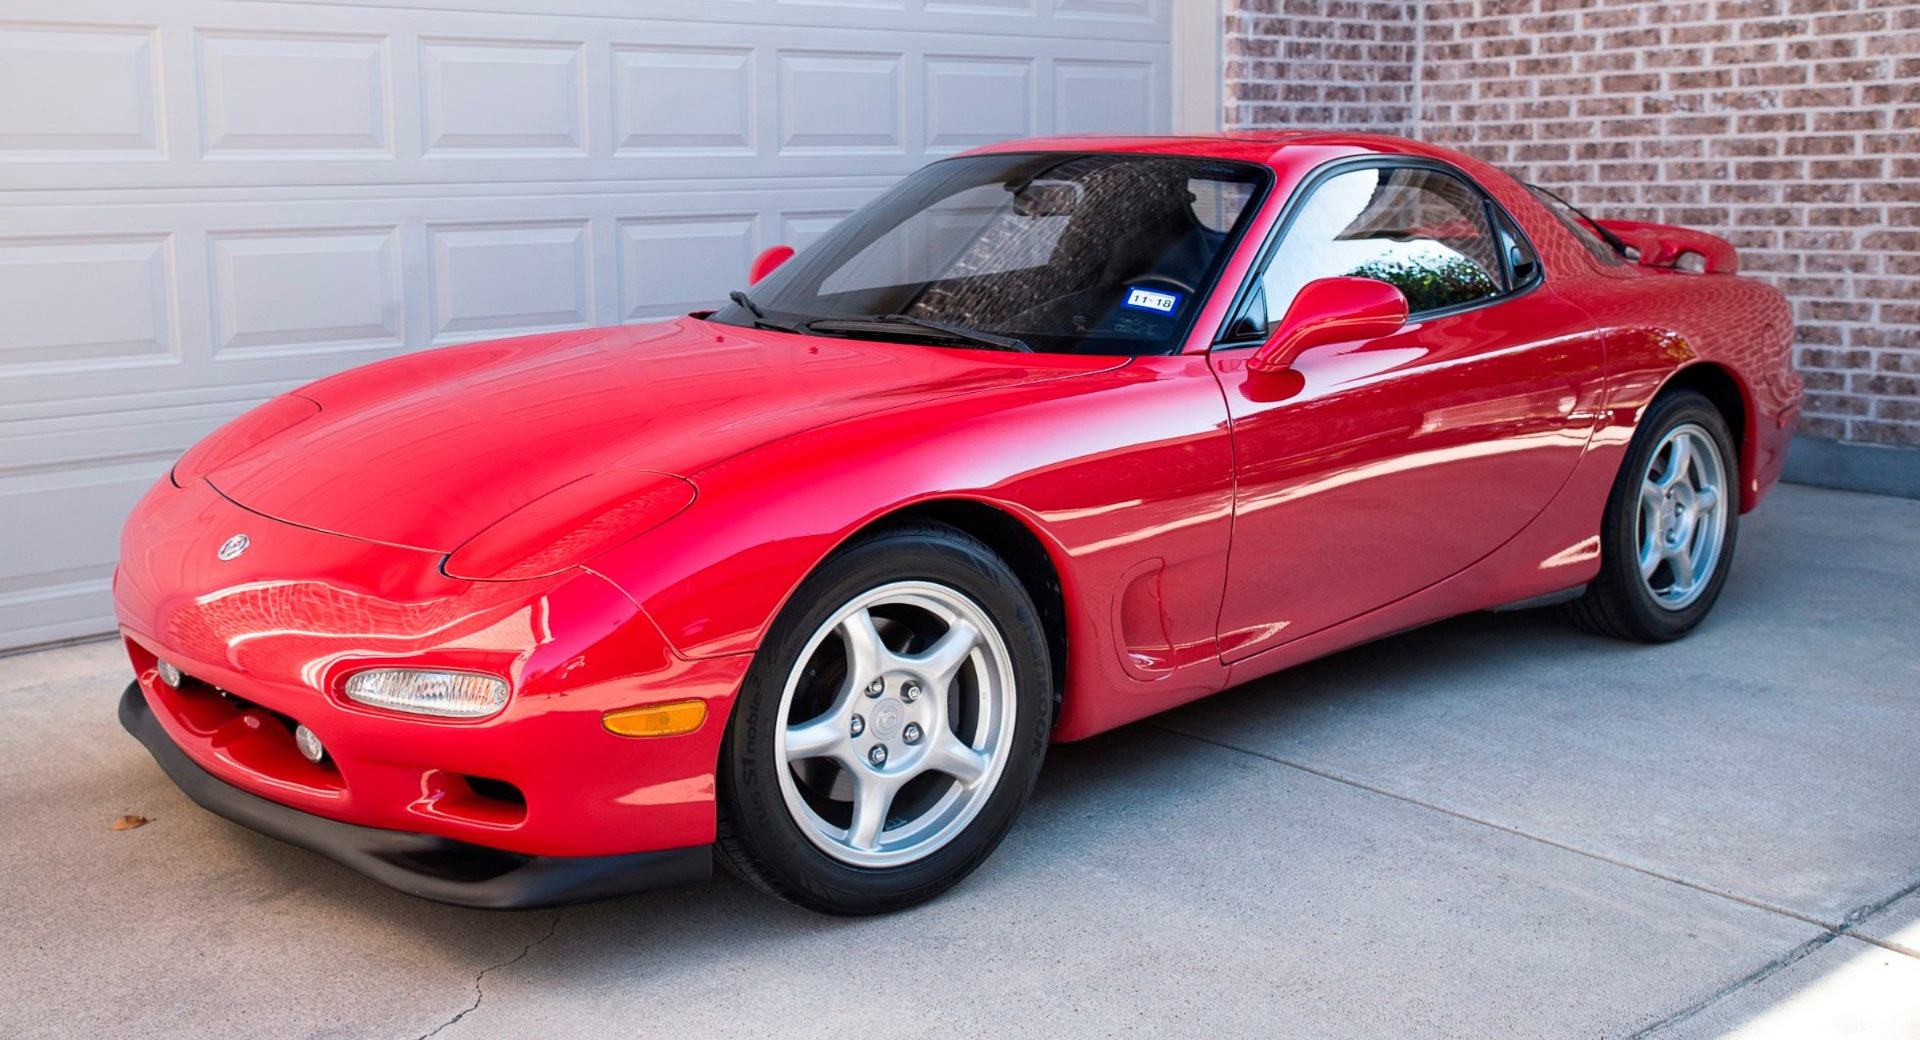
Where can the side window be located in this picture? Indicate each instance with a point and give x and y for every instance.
(1420, 230)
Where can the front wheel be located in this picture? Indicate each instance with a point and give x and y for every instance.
(890, 728)
(1666, 542)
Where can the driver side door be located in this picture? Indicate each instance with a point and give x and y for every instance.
(1369, 470)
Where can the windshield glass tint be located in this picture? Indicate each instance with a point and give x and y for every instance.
(1068, 253)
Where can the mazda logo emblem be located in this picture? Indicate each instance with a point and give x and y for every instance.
(233, 546)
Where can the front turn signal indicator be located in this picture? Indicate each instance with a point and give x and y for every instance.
(656, 720)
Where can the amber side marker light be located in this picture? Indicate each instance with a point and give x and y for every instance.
(656, 720)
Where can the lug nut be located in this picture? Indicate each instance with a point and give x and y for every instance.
(910, 692)
(876, 687)
(911, 734)
(877, 754)
(859, 725)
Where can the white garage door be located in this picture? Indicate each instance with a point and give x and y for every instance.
(206, 203)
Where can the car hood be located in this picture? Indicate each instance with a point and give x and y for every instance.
(426, 450)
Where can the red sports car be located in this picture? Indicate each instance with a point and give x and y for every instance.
(1054, 435)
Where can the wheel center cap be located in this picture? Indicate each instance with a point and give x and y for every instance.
(888, 715)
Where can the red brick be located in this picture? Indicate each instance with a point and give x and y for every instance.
(1712, 32)
(1773, 29)
(1819, 192)
(1772, 75)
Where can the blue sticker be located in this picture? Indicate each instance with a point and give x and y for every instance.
(1157, 302)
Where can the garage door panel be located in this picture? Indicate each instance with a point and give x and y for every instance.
(684, 100)
(841, 103)
(225, 199)
(107, 80)
(504, 96)
(359, 300)
(505, 277)
(1113, 95)
(977, 99)
(86, 301)
(264, 94)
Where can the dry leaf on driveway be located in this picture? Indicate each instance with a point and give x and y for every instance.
(129, 822)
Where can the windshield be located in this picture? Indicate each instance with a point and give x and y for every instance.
(1067, 253)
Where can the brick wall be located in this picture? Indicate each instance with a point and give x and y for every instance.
(1791, 127)
(1346, 63)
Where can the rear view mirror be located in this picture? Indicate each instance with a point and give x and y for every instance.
(1331, 310)
(764, 264)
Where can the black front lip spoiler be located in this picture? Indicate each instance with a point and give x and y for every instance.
(440, 869)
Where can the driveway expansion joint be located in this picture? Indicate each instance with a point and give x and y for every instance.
(1757, 975)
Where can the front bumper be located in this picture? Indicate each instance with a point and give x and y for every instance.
(437, 868)
(269, 636)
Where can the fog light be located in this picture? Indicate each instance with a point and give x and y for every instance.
(168, 673)
(454, 695)
(657, 720)
(309, 744)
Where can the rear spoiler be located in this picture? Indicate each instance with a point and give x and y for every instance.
(1663, 245)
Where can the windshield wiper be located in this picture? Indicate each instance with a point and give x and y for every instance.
(882, 323)
(760, 318)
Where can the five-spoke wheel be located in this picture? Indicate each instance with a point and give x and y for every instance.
(897, 723)
(891, 725)
(1683, 515)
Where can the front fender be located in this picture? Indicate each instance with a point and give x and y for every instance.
(1114, 472)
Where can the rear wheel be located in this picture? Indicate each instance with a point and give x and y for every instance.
(1667, 538)
(891, 727)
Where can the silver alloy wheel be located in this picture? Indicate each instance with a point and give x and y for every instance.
(911, 659)
(1683, 516)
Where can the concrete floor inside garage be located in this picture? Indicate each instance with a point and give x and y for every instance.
(1494, 826)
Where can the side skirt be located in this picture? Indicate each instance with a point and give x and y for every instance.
(1551, 599)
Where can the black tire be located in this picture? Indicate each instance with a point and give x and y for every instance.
(1618, 603)
(760, 840)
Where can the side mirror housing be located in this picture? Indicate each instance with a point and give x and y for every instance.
(1331, 310)
(769, 258)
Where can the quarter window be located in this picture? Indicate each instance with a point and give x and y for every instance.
(1422, 231)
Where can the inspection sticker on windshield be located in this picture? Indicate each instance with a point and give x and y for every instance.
(1157, 302)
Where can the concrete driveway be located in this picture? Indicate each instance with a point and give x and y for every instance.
(1495, 826)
